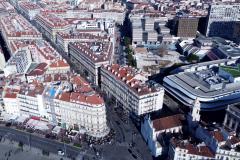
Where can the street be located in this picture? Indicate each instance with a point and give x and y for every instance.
(38, 142)
(128, 143)
(12, 151)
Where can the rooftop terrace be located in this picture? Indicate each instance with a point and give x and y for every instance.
(233, 70)
(96, 51)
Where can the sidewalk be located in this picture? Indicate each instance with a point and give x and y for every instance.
(10, 150)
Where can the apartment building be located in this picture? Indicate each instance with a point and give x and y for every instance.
(29, 9)
(221, 20)
(90, 56)
(61, 98)
(186, 26)
(114, 14)
(180, 149)
(49, 24)
(30, 99)
(130, 89)
(64, 38)
(144, 30)
(6, 8)
(16, 27)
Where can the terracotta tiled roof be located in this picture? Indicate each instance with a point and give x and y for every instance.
(168, 122)
(218, 136)
(98, 51)
(10, 95)
(200, 150)
(76, 97)
(59, 63)
(234, 140)
(29, 5)
(128, 75)
(25, 29)
(39, 70)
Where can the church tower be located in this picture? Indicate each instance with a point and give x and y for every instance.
(196, 111)
(193, 117)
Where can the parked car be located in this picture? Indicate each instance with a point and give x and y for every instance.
(60, 152)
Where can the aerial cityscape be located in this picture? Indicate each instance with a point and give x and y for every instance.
(119, 79)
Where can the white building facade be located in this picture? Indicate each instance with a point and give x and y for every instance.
(151, 131)
(129, 89)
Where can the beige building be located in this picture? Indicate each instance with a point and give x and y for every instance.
(129, 88)
(90, 56)
(64, 38)
(16, 27)
(62, 99)
(49, 24)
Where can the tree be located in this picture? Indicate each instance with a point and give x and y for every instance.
(77, 145)
(127, 41)
(193, 58)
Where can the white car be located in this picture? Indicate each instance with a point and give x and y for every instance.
(60, 152)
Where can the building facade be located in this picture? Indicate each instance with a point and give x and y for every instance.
(181, 150)
(144, 30)
(49, 24)
(29, 9)
(232, 117)
(64, 38)
(130, 90)
(151, 131)
(90, 56)
(66, 100)
(221, 19)
(186, 26)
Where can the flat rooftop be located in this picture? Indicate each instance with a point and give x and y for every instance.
(233, 70)
(229, 51)
(205, 83)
